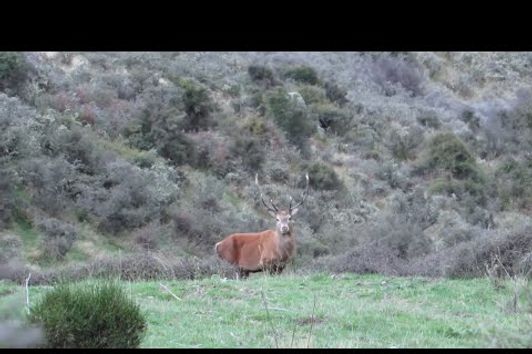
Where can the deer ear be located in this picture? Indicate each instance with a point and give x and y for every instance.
(273, 214)
(294, 211)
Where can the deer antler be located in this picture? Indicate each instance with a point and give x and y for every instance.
(271, 208)
(304, 196)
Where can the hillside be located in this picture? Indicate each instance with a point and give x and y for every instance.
(137, 163)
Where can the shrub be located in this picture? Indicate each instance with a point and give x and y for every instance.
(463, 190)
(509, 131)
(333, 119)
(471, 119)
(429, 119)
(133, 267)
(51, 181)
(335, 94)
(8, 196)
(147, 237)
(261, 74)
(198, 107)
(127, 197)
(59, 237)
(19, 129)
(250, 150)
(312, 94)
(303, 74)
(76, 145)
(403, 143)
(369, 258)
(505, 250)
(322, 177)
(394, 174)
(448, 153)
(159, 125)
(290, 117)
(13, 71)
(390, 71)
(89, 315)
(514, 183)
(10, 246)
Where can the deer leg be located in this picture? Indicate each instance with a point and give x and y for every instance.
(243, 274)
(276, 269)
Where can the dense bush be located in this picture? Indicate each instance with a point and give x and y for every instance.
(128, 197)
(514, 183)
(51, 181)
(250, 150)
(391, 72)
(13, 71)
(332, 119)
(508, 131)
(303, 74)
(19, 129)
(8, 197)
(403, 143)
(322, 177)
(495, 253)
(448, 153)
(290, 117)
(312, 94)
(90, 315)
(198, 107)
(335, 94)
(429, 119)
(58, 237)
(261, 74)
(160, 124)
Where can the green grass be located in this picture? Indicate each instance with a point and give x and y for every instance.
(320, 311)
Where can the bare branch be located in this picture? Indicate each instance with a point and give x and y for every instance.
(169, 291)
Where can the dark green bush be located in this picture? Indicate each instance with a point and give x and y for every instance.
(8, 196)
(250, 150)
(449, 153)
(514, 183)
(312, 94)
(322, 177)
(93, 315)
(290, 117)
(304, 74)
(13, 70)
(261, 74)
(160, 124)
(335, 94)
(451, 160)
(198, 107)
(333, 119)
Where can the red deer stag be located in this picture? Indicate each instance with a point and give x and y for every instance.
(267, 250)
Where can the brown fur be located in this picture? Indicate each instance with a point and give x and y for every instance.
(258, 251)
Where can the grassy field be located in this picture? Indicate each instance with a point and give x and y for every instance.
(318, 311)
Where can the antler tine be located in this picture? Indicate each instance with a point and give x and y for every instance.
(304, 196)
(274, 209)
(273, 205)
(290, 205)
